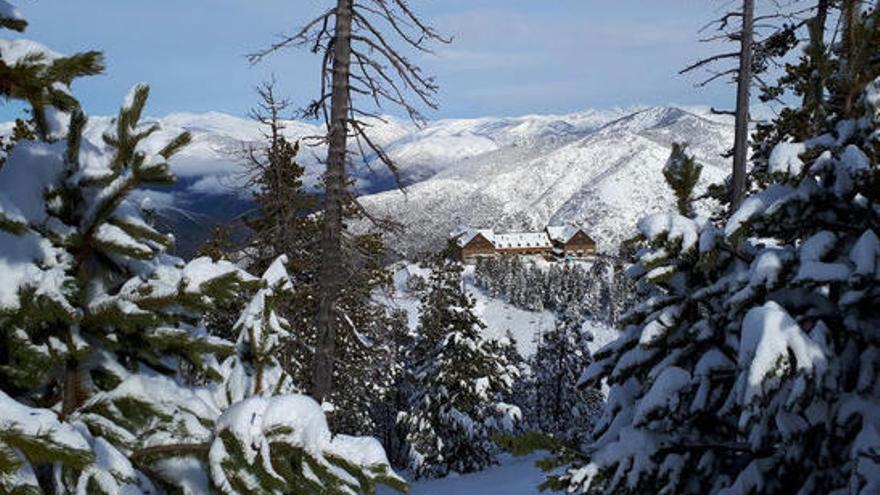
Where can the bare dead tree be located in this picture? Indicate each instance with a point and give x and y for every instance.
(743, 85)
(761, 39)
(361, 43)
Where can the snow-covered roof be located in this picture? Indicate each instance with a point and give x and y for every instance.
(562, 233)
(465, 236)
(522, 240)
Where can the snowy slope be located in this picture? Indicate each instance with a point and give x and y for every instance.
(514, 476)
(604, 180)
(214, 157)
(498, 316)
(598, 168)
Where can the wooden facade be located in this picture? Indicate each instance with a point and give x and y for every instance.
(562, 241)
(478, 246)
(579, 245)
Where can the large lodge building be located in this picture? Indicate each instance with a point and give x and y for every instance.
(566, 241)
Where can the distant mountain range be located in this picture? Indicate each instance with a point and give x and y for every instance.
(599, 169)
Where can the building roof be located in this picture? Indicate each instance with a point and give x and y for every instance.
(562, 233)
(522, 240)
(514, 240)
(464, 236)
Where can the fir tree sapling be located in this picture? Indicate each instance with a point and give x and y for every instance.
(682, 173)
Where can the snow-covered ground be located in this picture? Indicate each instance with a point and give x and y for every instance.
(514, 476)
(603, 179)
(498, 316)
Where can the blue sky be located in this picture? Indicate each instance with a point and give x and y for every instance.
(509, 57)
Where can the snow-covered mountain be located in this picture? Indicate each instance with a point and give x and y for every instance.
(601, 169)
(602, 175)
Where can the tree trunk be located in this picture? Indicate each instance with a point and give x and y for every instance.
(744, 81)
(814, 96)
(331, 271)
(72, 393)
(850, 59)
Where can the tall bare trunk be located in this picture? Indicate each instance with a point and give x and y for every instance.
(851, 56)
(815, 93)
(331, 269)
(743, 85)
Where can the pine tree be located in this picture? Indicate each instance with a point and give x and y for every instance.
(273, 456)
(107, 377)
(283, 223)
(557, 406)
(394, 400)
(682, 173)
(32, 73)
(90, 295)
(254, 369)
(457, 380)
(750, 364)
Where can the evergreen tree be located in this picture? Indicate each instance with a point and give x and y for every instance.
(457, 380)
(254, 369)
(89, 296)
(682, 173)
(32, 73)
(283, 223)
(365, 343)
(750, 364)
(107, 378)
(557, 406)
(273, 456)
(394, 400)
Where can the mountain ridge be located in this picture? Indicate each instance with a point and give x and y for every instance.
(598, 168)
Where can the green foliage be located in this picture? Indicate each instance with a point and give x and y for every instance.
(290, 450)
(682, 173)
(559, 453)
(42, 80)
(734, 373)
(458, 382)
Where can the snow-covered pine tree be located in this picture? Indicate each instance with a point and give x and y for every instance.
(518, 395)
(93, 309)
(751, 364)
(366, 368)
(254, 369)
(388, 429)
(272, 456)
(98, 324)
(32, 73)
(97, 319)
(556, 406)
(682, 173)
(669, 372)
(457, 380)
